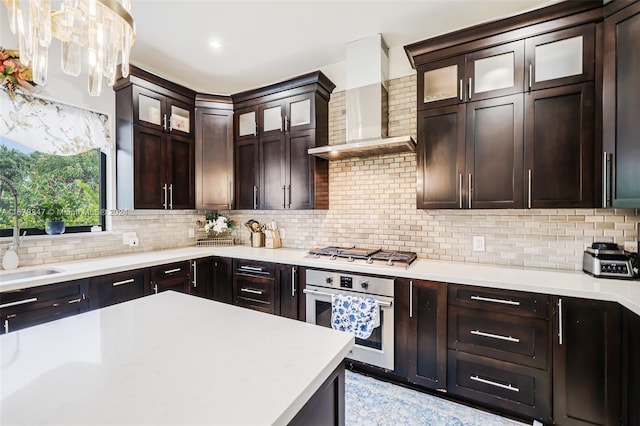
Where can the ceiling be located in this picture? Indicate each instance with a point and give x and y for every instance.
(266, 41)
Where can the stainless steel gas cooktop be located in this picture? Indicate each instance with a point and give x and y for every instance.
(364, 256)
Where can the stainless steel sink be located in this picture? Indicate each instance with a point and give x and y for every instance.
(22, 275)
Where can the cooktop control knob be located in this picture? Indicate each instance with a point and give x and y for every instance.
(328, 280)
(364, 284)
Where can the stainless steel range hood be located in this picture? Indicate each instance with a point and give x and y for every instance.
(367, 111)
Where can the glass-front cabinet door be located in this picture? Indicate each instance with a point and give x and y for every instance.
(180, 117)
(148, 108)
(497, 71)
(441, 83)
(271, 117)
(561, 58)
(245, 123)
(300, 113)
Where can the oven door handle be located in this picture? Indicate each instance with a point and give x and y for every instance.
(322, 293)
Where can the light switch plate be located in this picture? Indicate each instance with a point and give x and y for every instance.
(478, 243)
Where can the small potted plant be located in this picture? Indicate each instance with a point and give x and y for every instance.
(52, 214)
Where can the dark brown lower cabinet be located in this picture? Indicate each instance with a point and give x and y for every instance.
(586, 362)
(202, 277)
(32, 306)
(115, 288)
(289, 291)
(222, 285)
(630, 368)
(326, 406)
(254, 285)
(173, 276)
(421, 309)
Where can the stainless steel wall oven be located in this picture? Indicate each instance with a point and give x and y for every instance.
(377, 349)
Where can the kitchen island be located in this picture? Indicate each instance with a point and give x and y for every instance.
(171, 358)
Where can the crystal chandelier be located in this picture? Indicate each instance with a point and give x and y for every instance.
(103, 27)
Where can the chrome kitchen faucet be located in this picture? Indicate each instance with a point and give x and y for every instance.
(10, 259)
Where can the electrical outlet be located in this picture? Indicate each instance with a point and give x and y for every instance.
(192, 233)
(134, 242)
(478, 243)
(127, 237)
(631, 246)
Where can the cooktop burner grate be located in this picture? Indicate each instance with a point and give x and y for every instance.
(364, 255)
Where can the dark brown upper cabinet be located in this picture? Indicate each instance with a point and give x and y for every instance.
(621, 107)
(155, 143)
(214, 153)
(274, 127)
(507, 112)
(483, 74)
(559, 141)
(561, 58)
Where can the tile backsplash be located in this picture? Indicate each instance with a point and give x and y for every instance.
(373, 204)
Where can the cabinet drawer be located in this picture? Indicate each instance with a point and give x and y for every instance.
(516, 388)
(254, 291)
(173, 276)
(503, 301)
(116, 288)
(28, 307)
(511, 338)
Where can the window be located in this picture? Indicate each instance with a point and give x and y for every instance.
(53, 154)
(72, 186)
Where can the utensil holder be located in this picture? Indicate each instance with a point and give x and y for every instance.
(257, 239)
(272, 239)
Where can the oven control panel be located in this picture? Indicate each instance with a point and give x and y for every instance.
(346, 282)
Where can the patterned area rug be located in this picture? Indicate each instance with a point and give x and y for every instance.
(371, 402)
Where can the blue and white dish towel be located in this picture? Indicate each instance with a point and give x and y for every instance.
(357, 315)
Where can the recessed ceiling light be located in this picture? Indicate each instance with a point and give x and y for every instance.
(215, 44)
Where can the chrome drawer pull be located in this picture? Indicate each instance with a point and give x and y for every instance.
(496, 384)
(171, 271)
(495, 336)
(78, 300)
(129, 281)
(19, 302)
(252, 291)
(251, 268)
(489, 299)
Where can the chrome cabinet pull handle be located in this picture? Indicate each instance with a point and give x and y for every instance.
(155, 288)
(470, 82)
(250, 290)
(6, 326)
(530, 76)
(560, 337)
(411, 299)
(489, 299)
(289, 189)
(171, 197)
(460, 189)
(284, 196)
(171, 123)
(117, 283)
(164, 203)
(78, 300)
(230, 194)
(294, 271)
(255, 197)
(195, 275)
(604, 180)
(164, 121)
(461, 95)
(171, 271)
(251, 268)
(470, 190)
(19, 302)
(529, 199)
(286, 123)
(492, 383)
(495, 336)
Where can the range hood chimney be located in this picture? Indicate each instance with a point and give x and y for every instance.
(367, 116)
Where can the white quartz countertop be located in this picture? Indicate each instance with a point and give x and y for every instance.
(165, 359)
(561, 283)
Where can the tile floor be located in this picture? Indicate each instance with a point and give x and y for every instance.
(371, 402)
